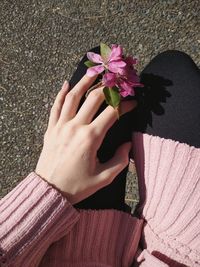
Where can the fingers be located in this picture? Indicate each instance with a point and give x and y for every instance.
(57, 106)
(108, 117)
(90, 106)
(109, 170)
(73, 98)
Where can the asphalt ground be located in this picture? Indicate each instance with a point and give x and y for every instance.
(41, 43)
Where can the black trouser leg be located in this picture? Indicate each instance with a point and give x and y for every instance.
(170, 101)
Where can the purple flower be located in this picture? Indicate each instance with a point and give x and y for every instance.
(113, 62)
(113, 79)
(109, 79)
(129, 78)
(126, 80)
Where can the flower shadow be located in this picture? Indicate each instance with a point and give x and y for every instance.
(150, 99)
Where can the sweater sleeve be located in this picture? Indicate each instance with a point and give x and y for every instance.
(169, 185)
(32, 216)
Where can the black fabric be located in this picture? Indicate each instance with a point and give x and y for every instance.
(170, 101)
(168, 106)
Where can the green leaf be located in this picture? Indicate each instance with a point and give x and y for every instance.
(112, 96)
(105, 51)
(89, 63)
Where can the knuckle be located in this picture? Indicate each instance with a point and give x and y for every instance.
(96, 94)
(71, 95)
(89, 136)
(92, 133)
(108, 179)
(58, 127)
(71, 128)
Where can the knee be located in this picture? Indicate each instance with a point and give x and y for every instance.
(175, 53)
(175, 57)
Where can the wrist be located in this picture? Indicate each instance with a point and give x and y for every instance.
(64, 194)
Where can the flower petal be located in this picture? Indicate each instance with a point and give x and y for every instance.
(115, 66)
(134, 79)
(129, 74)
(91, 72)
(109, 79)
(125, 88)
(123, 93)
(132, 76)
(96, 58)
(138, 85)
(116, 52)
(122, 71)
(131, 60)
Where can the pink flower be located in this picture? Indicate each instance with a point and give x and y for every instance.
(129, 71)
(129, 78)
(126, 81)
(113, 62)
(109, 79)
(126, 88)
(113, 79)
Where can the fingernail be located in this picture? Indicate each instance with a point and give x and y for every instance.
(65, 85)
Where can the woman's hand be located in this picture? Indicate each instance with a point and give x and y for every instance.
(68, 159)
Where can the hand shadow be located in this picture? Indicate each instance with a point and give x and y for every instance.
(149, 100)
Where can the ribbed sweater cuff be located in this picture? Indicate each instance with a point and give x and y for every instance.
(33, 216)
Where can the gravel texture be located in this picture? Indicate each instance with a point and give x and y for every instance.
(42, 41)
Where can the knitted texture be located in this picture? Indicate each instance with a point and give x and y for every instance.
(39, 227)
(100, 238)
(32, 216)
(169, 183)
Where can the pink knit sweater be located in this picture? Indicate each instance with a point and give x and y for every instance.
(39, 227)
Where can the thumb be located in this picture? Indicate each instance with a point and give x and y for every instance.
(116, 164)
